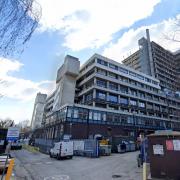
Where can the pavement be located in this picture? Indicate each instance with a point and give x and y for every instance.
(38, 166)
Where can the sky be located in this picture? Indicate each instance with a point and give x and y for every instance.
(79, 28)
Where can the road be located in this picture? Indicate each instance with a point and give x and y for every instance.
(38, 166)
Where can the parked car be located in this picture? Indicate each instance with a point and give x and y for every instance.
(62, 149)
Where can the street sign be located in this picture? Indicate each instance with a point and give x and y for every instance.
(13, 133)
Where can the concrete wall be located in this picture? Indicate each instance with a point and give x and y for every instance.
(144, 56)
(66, 82)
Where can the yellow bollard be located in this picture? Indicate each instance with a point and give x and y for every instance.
(9, 171)
(144, 171)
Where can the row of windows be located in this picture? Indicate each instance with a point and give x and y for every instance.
(134, 92)
(125, 79)
(125, 71)
(84, 114)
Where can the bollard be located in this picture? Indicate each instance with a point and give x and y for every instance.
(144, 171)
(9, 171)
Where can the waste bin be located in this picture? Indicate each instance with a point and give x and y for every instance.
(132, 146)
(121, 148)
(164, 154)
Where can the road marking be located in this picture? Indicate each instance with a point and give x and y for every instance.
(58, 177)
(48, 162)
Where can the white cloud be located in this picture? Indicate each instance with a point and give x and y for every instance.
(128, 43)
(88, 23)
(8, 65)
(18, 88)
(20, 92)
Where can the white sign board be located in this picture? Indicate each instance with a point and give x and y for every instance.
(158, 149)
(176, 144)
(13, 133)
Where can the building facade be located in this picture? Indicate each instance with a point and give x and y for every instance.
(38, 110)
(154, 60)
(112, 99)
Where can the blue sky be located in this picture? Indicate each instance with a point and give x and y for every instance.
(79, 28)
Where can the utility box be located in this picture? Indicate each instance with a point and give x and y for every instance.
(164, 154)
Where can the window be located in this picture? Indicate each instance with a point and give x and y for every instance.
(133, 92)
(147, 80)
(101, 83)
(109, 117)
(157, 108)
(124, 79)
(130, 120)
(112, 66)
(149, 106)
(102, 72)
(97, 116)
(141, 94)
(90, 114)
(124, 89)
(140, 77)
(149, 96)
(75, 113)
(124, 100)
(89, 84)
(154, 82)
(83, 114)
(132, 73)
(113, 98)
(142, 104)
(123, 70)
(156, 98)
(113, 86)
(112, 75)
(89, 97)
(103, 116)
(133, 102)
(101, 95)
(132, 82)
(69, 113)
(100, 61)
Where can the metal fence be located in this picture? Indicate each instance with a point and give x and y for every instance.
(44, 145)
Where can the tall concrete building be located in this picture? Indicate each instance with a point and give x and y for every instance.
(154, 60)
(108, 96)
(65, 85)
(38, 111)
(177, 61)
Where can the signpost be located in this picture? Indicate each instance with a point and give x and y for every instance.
(12, 134)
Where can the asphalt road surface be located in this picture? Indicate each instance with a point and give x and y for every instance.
(38, 166)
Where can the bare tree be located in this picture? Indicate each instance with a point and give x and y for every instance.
(19, 19)
(174, 35)
(6, 123)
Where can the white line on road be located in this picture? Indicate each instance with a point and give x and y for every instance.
(58, 177)
(48, 162)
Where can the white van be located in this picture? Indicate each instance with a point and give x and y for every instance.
(62, 149)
